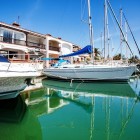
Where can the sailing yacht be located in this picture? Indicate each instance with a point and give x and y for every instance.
(90, 71)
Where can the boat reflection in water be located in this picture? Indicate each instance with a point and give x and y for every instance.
(17, 121)
(92, 111)
(97, 88)
(12, 110)
(75, 111)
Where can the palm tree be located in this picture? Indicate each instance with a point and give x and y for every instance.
(96, 53)
(134, 59)
(117, 57)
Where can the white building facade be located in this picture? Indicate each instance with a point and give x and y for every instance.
(16, 40)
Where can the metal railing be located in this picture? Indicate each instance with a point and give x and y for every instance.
(21, 42)
(52, 48)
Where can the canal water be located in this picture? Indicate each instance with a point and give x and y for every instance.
(73, 111)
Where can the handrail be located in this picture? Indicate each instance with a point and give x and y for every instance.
(21, 42)
(53, 48)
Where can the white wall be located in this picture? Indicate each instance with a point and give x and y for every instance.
(65, 49)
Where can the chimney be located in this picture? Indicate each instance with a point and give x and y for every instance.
(49, 35)
(16, 24)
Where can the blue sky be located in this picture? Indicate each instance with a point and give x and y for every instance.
(62, 18)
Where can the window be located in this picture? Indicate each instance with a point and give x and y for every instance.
(19, 39)
(7, 36)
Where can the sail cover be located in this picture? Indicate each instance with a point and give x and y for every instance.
(87, 49)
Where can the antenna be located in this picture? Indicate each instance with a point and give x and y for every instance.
(18, 20)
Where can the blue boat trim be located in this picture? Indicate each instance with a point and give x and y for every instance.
(3, 59)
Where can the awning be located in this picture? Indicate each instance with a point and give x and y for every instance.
(6, 46)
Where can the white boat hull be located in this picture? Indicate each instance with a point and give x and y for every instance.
(11, 86)
(91, 73)
(13, 78)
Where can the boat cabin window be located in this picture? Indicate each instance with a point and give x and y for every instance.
(13, 55)
(77, 66)
(4, 53)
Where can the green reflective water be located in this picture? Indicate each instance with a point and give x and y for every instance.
(73, 111)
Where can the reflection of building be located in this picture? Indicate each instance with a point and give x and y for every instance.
(106, 114)
(101, 110)
(43, 101)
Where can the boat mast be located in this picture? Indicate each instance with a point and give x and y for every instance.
(90, 31)
(126, 40)
(105, 23)
(120, 32)
(101, 45)
(108, 38)
(131, 33)
(123, 35)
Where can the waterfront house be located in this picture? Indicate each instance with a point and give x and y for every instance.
(56, 47)
(22, 45)
(18, 44)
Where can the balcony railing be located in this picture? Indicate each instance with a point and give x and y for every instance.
(52, 48)
(21, 42)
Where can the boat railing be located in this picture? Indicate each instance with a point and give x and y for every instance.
(24, 61)
(21, 58)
